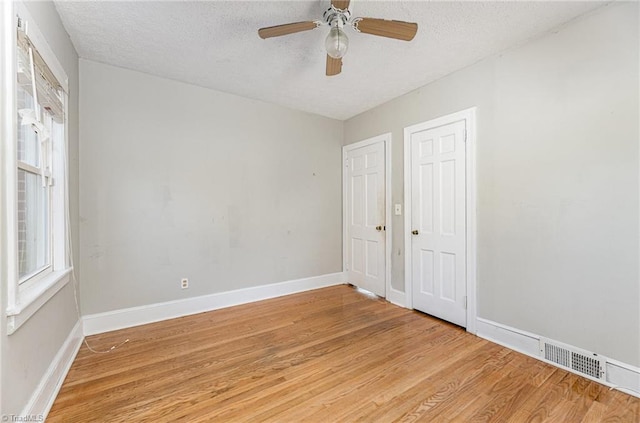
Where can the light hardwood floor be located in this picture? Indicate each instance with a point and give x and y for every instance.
(329, 355)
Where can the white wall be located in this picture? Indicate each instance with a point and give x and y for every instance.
(181, 181)
(557, 160)
(27, 353)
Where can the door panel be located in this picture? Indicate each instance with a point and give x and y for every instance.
(438, 214)
(365, 203)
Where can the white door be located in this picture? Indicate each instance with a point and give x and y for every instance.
(365, 217)
(438, 221)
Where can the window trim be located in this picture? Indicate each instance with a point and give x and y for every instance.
(34, 294)
(25, 299)
(51, 160)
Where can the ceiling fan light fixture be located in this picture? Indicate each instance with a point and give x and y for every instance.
(336, 43)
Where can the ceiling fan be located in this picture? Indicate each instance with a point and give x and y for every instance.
(337, 17)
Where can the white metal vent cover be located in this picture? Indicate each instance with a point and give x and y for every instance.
(570, 357)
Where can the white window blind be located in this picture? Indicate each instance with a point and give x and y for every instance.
(49, 89)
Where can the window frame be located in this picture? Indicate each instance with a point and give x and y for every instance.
(44, 169)
(26, 297)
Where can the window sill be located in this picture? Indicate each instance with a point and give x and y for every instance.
(32, 298)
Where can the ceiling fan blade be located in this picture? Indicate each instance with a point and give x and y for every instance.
(340, 4)
(334, 66)
(286, 29)
(391, 29)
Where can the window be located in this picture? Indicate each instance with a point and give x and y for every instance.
(36, 192)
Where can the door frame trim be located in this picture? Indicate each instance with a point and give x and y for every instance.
(468, 115)
(386, 139)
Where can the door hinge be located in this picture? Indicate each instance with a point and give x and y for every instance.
(465, 134)
(465, 302)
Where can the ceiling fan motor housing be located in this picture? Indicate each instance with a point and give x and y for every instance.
(336, 17)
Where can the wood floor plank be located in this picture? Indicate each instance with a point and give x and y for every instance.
(310, 373)
(328, 355)
(315, 388)
(595, 413)
(397, 371)
(528, 411)
(433, 394)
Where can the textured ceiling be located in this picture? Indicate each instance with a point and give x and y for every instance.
(215, 44)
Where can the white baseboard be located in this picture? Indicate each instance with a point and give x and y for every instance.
(622, 376)
(42, 399)
(515, 339)
(135, 316)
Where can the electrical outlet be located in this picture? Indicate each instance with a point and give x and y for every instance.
(184, 283)
(398, 209)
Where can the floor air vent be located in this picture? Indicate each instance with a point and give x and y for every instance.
(584, 362)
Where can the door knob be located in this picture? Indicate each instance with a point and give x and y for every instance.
(378, 228)
(415, 232)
